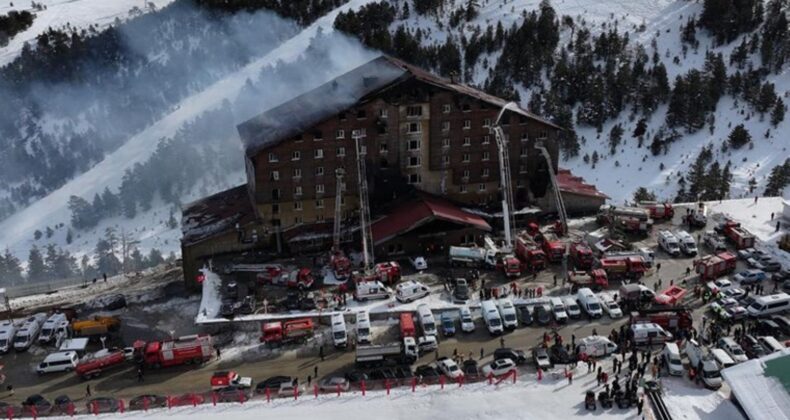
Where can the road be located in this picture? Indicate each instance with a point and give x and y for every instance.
(301, 362)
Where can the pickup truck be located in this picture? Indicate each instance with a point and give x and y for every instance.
(226, 378)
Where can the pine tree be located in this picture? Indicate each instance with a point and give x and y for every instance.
(112, 205)
(641, 128)
(726, 182)
(36, 269)
(10, 268)
(49, 232)
(98, 207)
(739, 137)
(154, 258)
(778, 112)
(615, 137)
(594, 158)
(642, 194)
(69, 237)
(767, 98)
(137, 260)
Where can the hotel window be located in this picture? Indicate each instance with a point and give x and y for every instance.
(275, 176)
(296, 155)
(463, 188)
(297, 205)
(466, 157)
(467, 124)
(467, 141)
(319, 188)
(543, 134)
(415, 179)
(445, 142)
(361, 114)
(486, 155)
(523, 152)
(485, 172)
(414, 145)
(275, 194)
(298, 190)
(273, 158)
(319, 171)
(524, 137)
(297, 220)
(413, 111)
(383, 148)
(522, 169)
(318, 135)
(340, 134)
(318, 153)
(383, 113)
(275, 209)
(486, 139)
(342, 116)
(319, 204)
(446, 108)
(466, 173)
(297, 172)
(481, 187)
(414, 127)
(319, 217)
(445, 160)
(341, 151)
(445, 125)
(466, 108)
(487, 122)
(414, 161)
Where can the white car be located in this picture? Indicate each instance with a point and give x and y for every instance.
(333, 382)
(613, 309)
(734, 292)
(719, 285)
(467, 323)
(419, 263)
(427, 344)
(449, 368)
(499, 367)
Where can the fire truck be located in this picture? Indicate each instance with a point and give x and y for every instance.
(735, 233)
(715, 266)
(530, 253)
(671, 296)
(553, 247)
(630, 267)
(594, 279)
(669, 318)
(581, 256)
(286, 332)
(93, 365)
(658, 210)
(629, 219)
(301, 278)
(388, 272)
(341, 265)
(187, 350)
(504, 260)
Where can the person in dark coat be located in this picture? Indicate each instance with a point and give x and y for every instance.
(639, 405)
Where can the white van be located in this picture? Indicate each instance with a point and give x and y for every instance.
(64, 361)
(363, 328)
(508, 313)
(411, 290)
(27, 334)
(371, 290)
(572, 308)
(427, 321)
(770, 304)
(711, 375)
(669, 243)
(722, 358)
(649, 332)
(558, 310)
(339, 335)
(589, 302)
(733, 349)
(467, 322)
(687, 243)
(770, 343)
(491, 317)
(671, 356)
(53, 326)
(7, 333)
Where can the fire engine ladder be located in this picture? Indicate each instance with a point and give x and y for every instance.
(339, 172)
(555, 186)
(508, 218)
(364, 206)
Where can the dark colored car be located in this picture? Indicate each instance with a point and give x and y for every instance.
(247, 305)
(228, 308)
(102, 405)
(542, 316)
(469, 368)
(524, 316)
(426, 371)
(62, 405)
(272, 383)
(382, 374)
(39, 402)
(752, 347)
(402, 372)
(356, 377)
(783, 322)
(232, 393)
(144, 402)
(559, 356)
(461, 291)
(114, 302)
(771, 265)
(517, 356)
(767, 327)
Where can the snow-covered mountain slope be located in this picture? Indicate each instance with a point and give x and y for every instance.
(78, 14)
(18, 229)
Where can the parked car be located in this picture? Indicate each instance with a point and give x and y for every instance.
(771, 265)
(559, 356)
(524, 315)
(448, 325)
(233, 393)
(750, 277)
(541, 358)
(542, 315)
(102, 405)
(247, 305)
(419, 263)
(754, 263)
(146, 401)
(752, 347)
(355, 377)
(783, 322)
(190, 398)
(517, 356)
(460, 290)
(333, 382)
(43, 407)
(470, 367)
(273, 383)
(499, 367)
(427, 371)
(734, 292)
(467, 323)
(449, 367)
(62, 404)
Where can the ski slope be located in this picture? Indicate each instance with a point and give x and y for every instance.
(52, 209)
(79, 14)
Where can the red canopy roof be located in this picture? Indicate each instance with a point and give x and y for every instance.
(411, 215)
(576, 185)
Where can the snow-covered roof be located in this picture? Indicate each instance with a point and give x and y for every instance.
(215, 214)
(570, 183)
(761, 386)
(356, 86)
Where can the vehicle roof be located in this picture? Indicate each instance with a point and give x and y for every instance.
(59, 354)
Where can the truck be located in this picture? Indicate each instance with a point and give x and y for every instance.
(636, 294)
(187, 350)
(671, 296)
(341, 265)
(648, 256)
(95, 364)
(286, 332)
(736, 234)
(672, 318)
(388, 272)
(301, 278)
(504, 259)
(715, 266)
(530, 253)
(628, 219)
(594, 279)
(623, 267)
(581, 256)
(226, 378)
(404, 352)
(96, 326)
(553, 247)
(7, 333)
(658, 211)
(471, 257)
(407, 325)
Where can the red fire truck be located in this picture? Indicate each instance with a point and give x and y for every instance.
(658, 210)
(530, 253)
(631, 267)
(669, 318)
(553, 247)
(388, 272)
(186, 350)
(93, 365)
(341, 265)
(671, 296)
(581, 256)
(285, 332)
(301, 279)
(715, 266)
(738, 235)
(594, 279)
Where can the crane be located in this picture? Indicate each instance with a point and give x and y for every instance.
(504, 177)
(339, 173)
(364, 207)
(555, 187)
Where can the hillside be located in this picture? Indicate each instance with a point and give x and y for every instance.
(608, 70)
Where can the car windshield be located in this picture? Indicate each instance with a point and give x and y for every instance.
(737, 351)
(613, 306)
(340, 335)
(428, 326)
(494, 322)
(594, 307)
(3, 342)
(675, 360)
(46, 331)
(558, 310)
(573, 308)
(363, 331)
(452, 368)
(20, 339)
(711, 374)
(510, 317)
(466, 318)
